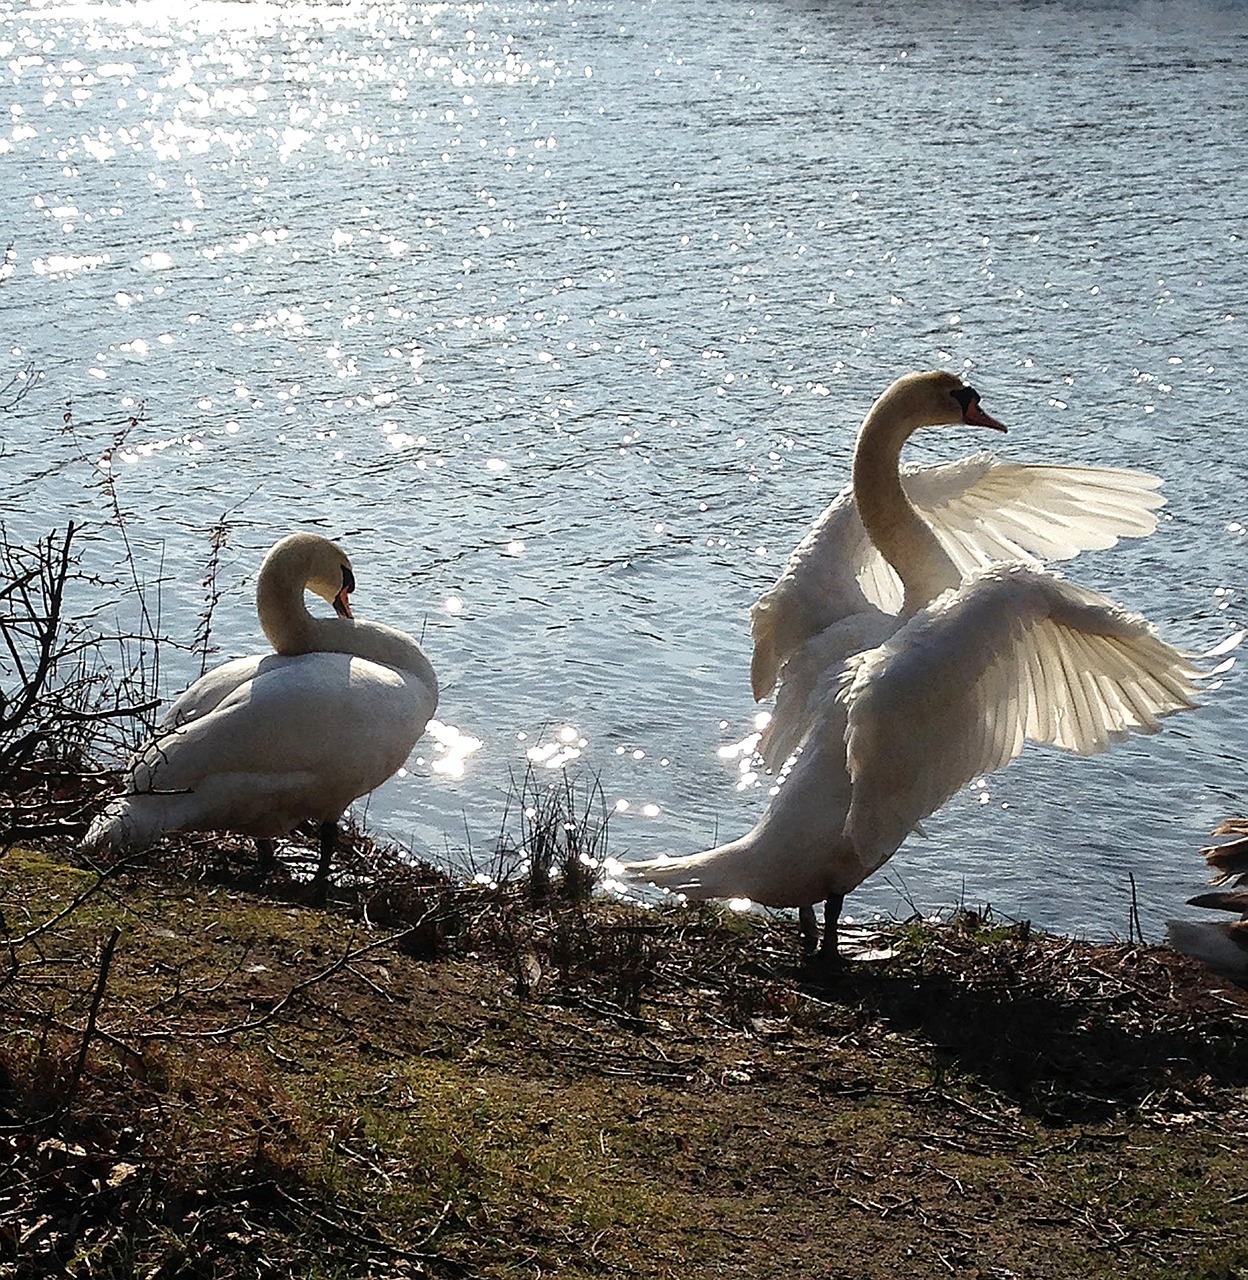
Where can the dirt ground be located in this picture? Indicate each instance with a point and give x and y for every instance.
(469, 1083)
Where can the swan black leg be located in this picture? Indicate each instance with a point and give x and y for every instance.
(808, 927)
(320, 881)
(265, 857)
(829, 956)
(825, 961)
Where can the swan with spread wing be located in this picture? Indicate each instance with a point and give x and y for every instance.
(918, 642)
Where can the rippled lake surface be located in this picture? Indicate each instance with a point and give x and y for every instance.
(561, 318)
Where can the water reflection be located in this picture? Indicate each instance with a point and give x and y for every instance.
(452, 747)
(567, 746)
(562, 320)
(742, 751)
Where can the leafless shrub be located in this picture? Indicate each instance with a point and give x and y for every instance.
(218, 534)
(62, 701)
(20, 383)
(18, 386)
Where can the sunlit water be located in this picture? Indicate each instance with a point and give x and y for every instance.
(561, 317)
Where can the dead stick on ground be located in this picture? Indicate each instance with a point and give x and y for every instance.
(224, 1033)
(106, 960)
(371, 1238)
(88, 1034)
(100, 877)
(1134, 932)
(348, 957)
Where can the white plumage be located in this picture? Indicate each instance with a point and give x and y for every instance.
(912, 660)
(982, 511)
(1016, 654)
(261, 744)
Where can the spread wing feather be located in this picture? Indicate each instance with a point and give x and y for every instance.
(983, 511)
(1016, 654)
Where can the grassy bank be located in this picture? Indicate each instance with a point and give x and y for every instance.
(432, 1080)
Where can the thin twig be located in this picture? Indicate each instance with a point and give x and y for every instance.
(1134, 932)
(347, 958)
(100, 877)
(106, 961)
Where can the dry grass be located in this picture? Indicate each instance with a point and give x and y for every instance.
(581, 1089)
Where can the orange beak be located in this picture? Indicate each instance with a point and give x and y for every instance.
(342, 606)
(976, 417)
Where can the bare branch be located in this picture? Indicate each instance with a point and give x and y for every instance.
(106, 960)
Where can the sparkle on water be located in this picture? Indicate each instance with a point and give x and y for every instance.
(561, 318)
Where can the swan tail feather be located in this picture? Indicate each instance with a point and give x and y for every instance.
(123, 826)
(1232, 827)
(1222, 947)
(1222, 900)
(722, 872)
(679, 875)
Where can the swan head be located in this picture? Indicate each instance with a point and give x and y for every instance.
(330, 575)
(306, 561)
(934, 399)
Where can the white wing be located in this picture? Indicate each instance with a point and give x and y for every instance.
(985, 511)
(211, 689)
(982, 510)
(818, 587)
(811, 675)
(1015, 653)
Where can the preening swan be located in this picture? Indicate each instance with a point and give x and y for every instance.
(912, 659)
(1222, 945)
(260, 744)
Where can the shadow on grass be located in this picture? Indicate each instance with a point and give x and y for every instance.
(1072, 1033)
(97, 1205)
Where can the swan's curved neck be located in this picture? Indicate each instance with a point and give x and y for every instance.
(292, 630)
(284, 618)
(899, 533)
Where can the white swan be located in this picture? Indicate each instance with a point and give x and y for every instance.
(260, 744)
(1221, 945)
(897, 711)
